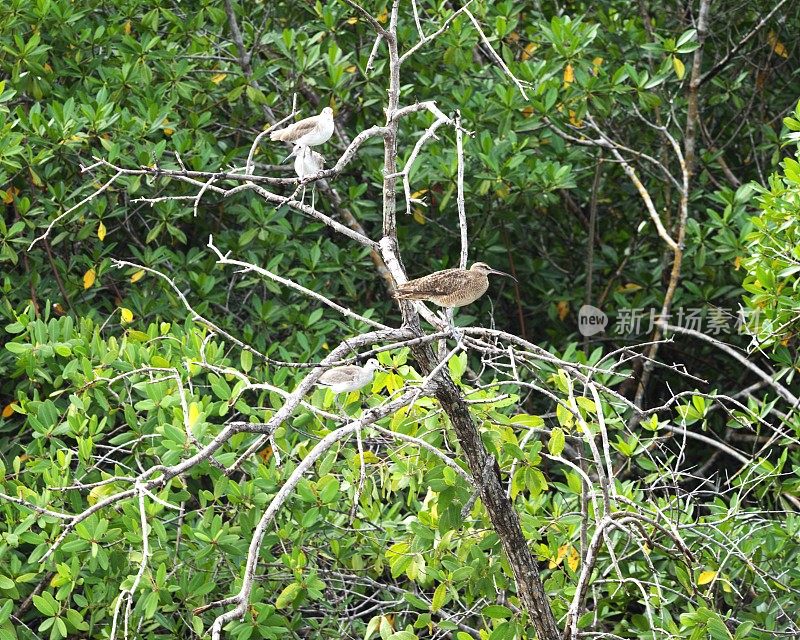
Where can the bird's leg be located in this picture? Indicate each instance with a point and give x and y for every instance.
(303, 197)
(443, 341)
(339, 405)
(458, 336)
(313, 195)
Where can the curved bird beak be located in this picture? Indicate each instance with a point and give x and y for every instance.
(503, 273)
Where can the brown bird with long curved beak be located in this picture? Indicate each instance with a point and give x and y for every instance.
(450, 288)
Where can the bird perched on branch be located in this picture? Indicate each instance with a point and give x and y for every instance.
(349, 377)
(450, 288)
(309, 131)
(307, 163)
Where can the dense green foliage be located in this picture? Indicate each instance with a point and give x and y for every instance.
(104, 370)
(774, 260)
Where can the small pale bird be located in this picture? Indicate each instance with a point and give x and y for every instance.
(307, 162)
(450, 288)
(349, 377)
(309, 131)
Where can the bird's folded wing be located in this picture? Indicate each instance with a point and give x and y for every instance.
(436, 284)
(296, 131)
(339, 374)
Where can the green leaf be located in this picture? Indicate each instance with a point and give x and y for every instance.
(717, 629)
(557, 441)
(47, 606)
(496, 612)
(328, 487)
(288, 595)
(564, 416)
(246, 360)
(457, 365)
(5, 610)
(439, 597)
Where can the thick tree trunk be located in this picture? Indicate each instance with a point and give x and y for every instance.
(483, 467)
(505, 520)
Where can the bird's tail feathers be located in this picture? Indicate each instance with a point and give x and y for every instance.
(400, 294)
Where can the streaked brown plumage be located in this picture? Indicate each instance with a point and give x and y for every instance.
(450, 288)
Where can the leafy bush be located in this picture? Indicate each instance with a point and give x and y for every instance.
(676, 521)
(774, 259)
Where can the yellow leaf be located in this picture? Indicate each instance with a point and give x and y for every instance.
(351, 69)
(527, 112)
(573, 559)
(8, 198)
(777, 46)
(576, 122)
(194, 413)
(219, 77)
(127, 28)
(101, 232)
(562, 552)
(418, 216)
(168, 131)
(562, 308)
(737, 263)
(8, 410)
(527, 52)
(679, 67)
(418, 194)
(48, 68)
(352, 20)
(126, 314)
(383, 17)
(629, 287)
(265, 454)
(706, 577)
(37, 181)
(88, 278)
(137, 276)
(597, 62)
(513, 37)
(569, 75)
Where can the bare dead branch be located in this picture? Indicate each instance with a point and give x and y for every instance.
(246, 266)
